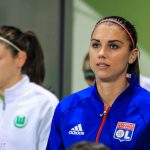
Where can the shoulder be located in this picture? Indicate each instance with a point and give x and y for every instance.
(42, 94)
(143, 94)
(142, 104)
(142, 98)
(75, 99)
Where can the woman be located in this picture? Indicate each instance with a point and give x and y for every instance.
(26, 108)
(115, 111)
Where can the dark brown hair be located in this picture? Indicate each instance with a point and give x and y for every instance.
(84, 145)
(27, 41)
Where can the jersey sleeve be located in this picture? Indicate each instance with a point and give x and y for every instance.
(46, 115)
(55, 141)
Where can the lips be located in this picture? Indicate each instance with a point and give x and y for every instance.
(102, 65)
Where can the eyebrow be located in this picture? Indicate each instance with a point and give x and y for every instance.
(111, 41)
(95, 40)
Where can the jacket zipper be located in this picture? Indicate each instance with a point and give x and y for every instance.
(104, 115)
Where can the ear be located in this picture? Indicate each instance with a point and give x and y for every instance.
(21, 59)
(133, 55)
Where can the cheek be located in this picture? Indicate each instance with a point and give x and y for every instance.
(93, 62)
(91, 58)
(3, 65)
(6, 71)
(121, 61)
(7, 66)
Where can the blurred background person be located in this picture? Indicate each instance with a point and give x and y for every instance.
(26, 108)
(89, 75)
(88, 146)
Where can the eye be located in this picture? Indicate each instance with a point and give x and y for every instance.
(113, 46)
(95, 45)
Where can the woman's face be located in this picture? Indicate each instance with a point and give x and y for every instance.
(9, 67)
(109, 52)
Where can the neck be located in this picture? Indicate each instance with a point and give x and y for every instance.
(109, 91)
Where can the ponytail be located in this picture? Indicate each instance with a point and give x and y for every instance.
(134, 69)
(34, 66)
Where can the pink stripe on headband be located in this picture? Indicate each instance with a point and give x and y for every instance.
(114, 21)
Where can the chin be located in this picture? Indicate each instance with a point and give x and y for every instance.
(105, 77)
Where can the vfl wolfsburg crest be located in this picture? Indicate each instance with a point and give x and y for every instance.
(20, 121)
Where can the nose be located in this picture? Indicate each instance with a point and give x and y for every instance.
(102, 52)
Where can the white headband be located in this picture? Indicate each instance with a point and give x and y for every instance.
(10, 43)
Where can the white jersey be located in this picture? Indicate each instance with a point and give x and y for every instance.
(26, 119)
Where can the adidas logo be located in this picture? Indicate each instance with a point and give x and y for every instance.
(77, 130)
